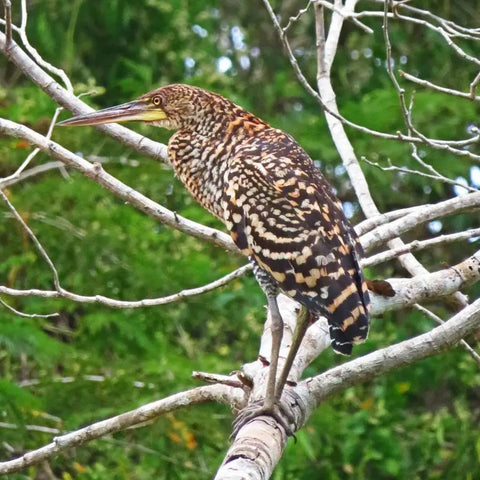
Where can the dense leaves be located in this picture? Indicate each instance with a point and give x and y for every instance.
(92, 362)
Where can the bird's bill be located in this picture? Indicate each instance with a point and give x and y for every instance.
(127, 112)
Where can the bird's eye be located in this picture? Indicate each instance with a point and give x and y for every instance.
(156, 101)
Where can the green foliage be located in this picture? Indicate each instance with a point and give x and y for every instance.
(420, 422)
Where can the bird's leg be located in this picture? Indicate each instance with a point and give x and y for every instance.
(276, 327)
(271, 405)
(303, 320)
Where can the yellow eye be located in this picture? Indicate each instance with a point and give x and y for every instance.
(156, 101)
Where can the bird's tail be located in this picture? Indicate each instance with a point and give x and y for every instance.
(348, 313)
(343, 337)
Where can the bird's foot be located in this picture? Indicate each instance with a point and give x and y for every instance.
(281, 413)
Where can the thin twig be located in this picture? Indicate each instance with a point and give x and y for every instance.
(35, 240)
(474, 85)
(16, 175)
(31, 428)
(297, 17)
(27, 315)
(8, 22)
(439, 321)
(34, 53)
(89, 378)
(438, 144)
(436, 176)
(439, 88)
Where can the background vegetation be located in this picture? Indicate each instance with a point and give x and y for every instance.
(420, 422)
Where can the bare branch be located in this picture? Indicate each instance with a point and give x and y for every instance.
(439, 321)
(26, 315)
(428, 286)
(113, 303)
(15, 176)
(31, 428)
(56, 165)
(149, 411)
(438, 88)
(435, 176)
(324, 103)
(345, 14)
(259, 445)
(296, 18)
(34, 53)
(385, 232)
(382, 218)
(387, 359)
(214, 378)
(473, 86)
(89, 378)
(34, 239)
(419, 245)
(24, 63)
(126, 193)
(407, 290)
(7, 7)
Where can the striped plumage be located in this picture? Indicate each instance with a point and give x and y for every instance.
(277, 206)
(279, 209)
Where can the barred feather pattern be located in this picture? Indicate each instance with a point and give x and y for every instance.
(277, 206)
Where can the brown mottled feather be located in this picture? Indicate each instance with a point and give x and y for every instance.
(278, 207)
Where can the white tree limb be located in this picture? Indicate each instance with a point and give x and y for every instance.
(149, 411)
(259, 445)
(63, 97)
(98, 174)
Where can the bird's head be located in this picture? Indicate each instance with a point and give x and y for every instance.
(173, 106)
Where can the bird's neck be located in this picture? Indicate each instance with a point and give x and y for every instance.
(200, 152)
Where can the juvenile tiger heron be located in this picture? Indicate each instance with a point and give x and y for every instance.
(277, 206)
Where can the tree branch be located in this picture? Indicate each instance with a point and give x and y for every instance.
(149, 411)
(387, 359)
(114, 303)
(96, 173)
(63, 97)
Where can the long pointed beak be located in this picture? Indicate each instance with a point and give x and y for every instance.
(136, 110)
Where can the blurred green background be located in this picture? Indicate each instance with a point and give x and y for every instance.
(420, 422)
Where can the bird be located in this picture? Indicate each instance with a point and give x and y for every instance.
(277, 206)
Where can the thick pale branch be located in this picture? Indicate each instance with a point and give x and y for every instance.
(150, 411)
(428, 286)
(126, 193)
(259, 445)
(63, 97)
(387, 359)
(386, 232)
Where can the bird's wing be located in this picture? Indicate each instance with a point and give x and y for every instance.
(282, 212)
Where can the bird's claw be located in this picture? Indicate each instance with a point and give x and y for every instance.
(280, 413)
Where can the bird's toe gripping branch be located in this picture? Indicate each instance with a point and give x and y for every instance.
(280, 411)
